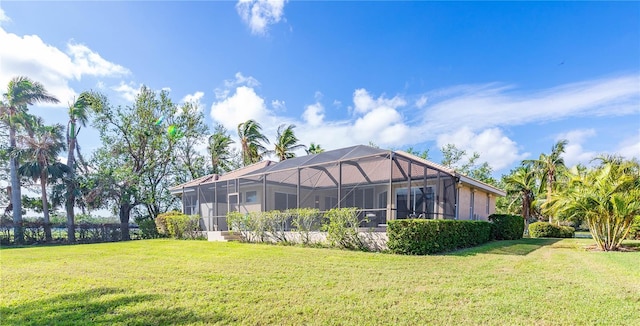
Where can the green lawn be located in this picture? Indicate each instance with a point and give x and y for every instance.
(153, 282)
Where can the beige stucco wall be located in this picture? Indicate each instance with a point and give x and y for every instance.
(479, 203)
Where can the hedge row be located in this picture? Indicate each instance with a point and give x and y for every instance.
(548, 230)
(422, 237)
(506, 227)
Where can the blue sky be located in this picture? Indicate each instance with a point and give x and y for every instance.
(505, 79)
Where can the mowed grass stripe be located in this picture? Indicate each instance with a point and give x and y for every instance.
(525, 282)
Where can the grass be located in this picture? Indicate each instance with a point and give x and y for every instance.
(153, 282)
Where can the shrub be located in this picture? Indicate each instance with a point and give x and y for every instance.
(178, 225)
(275, 222)
(342, 229)
(421, 237)
(506, 227)
(305, 220)
(548, 230)
(147, 227)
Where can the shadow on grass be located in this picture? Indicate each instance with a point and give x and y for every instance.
(102, 306)
(520, 247)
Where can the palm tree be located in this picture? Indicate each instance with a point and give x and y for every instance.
(608, 197)
(523, 182)
(548, 168)
(78, 114)
(287, 142)
(314, 149)
(219, 150)
(250, 136)
(40, 152)
(21, 92)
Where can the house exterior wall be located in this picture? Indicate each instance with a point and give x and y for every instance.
(466, 194)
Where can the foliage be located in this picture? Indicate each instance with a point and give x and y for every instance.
(521, 184)
(21, 92)
(220, 151)
(423, 237)
(287, 142)
(305, 221)
(548, 230)
(251, 139)
(177, 225)
(314, 148)
(454, 158)
(134, 165)
(148, 228)
(506, 227)
(608, 197)
(424, 154)
(39, 152)
(343, 228)
(634, 231)
(188, 163)
(549, 168)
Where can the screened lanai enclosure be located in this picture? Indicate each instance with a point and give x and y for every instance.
(382, 184)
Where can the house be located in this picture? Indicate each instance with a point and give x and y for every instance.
(384, 184)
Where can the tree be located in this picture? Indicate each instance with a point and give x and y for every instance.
(424, 154)
(219, 150)
(40, 153)
(287, 142)
(608, 197)
(251, 137)
(548, 167)
(315, 149)
(79, 112)
(189, 162)
(523, 182)
(21, 92)
(453, 157)
(133, 166)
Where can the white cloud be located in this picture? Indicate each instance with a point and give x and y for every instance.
(363, 102)
(3, 17)
(29, 55)
(229, 84)
(127, 91)
(314, 114)
(422, 101)
(195, 97)
(259, 14)
(484, 106)
(574, 152)
(630, 147)
(243, 105)
(493, 146)
(279, 105)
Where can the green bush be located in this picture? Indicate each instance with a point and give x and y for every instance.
(342, 229)
(305, 220)
(148, 229)
(422, 237)
(548, 230)
(634, 232)
(177, 225)
(506, 227)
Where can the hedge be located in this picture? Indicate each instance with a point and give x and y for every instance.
(548, 230)
(422, 237)
(506, 227)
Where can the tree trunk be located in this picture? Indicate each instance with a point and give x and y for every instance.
(125, 210)
(71, 195)
(45, 205)
(549, 189)
(16, 196)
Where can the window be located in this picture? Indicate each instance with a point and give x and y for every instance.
(330, 202)
(285, 201)
(317, 202)
(382, 200)
(419, 202)
(358, 197)
(473, 192)
(251, 197)
(488, 203)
